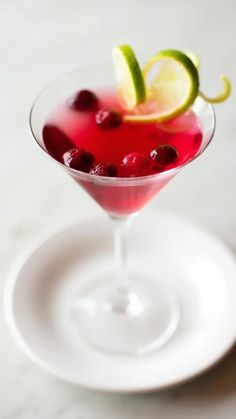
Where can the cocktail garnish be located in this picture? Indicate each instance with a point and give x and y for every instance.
(164, 155)
(79, 159)
(108, 119)
(84, 100)
(136, 164)
(166, 88)
(129, 78)
(104, 169)
(222, 96)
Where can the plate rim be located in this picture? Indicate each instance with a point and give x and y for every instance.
(8, 310)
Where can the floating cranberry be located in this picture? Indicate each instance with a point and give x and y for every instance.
(107, 119)
(84, 100)
(78, 159)
(164, 155)
(104, 169)
(55, 141)
(136, 164)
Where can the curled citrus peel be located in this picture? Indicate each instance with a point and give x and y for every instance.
(193, 57)
(165, 88)
(222, 96)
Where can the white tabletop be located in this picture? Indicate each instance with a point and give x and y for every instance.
(39, 40)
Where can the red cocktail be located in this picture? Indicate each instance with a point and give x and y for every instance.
(128, 149)
(122, 166)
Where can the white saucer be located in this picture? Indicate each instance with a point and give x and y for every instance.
(199, 268)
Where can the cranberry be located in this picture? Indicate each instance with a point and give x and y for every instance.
(136, 164)
(164, 155)
(78, 159)
(55, 141)
(104, 169)
(84, 100)
(107, 119)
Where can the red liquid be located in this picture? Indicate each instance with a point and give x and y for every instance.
(112, 145)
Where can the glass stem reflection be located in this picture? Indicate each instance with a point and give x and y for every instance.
(121, 292)
(120, 232)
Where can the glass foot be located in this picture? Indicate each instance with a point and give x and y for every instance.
(133, 319)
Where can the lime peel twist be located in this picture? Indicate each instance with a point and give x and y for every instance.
(227, 87)
(193, 57)
(222, 96)
(171, 92)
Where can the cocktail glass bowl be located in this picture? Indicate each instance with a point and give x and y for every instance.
(119, 312)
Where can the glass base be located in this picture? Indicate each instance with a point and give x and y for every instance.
(135, 318)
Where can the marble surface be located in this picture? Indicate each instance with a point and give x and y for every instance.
(39, 40)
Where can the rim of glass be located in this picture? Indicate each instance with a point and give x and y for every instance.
(121, 180)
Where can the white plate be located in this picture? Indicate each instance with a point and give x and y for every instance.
(198, 266)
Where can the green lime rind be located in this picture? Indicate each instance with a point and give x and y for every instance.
(189, 71)
(188, 66)
(223, 95)
(193, 57)
(124, 56)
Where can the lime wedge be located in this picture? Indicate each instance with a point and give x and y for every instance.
(172, 84)
(130, 83)
(223, 95)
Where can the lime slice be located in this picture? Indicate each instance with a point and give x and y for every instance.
(182, 123)
(172, 86)
(223, 95)
(130, 83)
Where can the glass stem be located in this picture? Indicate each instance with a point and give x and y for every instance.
(120, 231)
(123, 299)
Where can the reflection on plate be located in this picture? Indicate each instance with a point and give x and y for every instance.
(198, 267)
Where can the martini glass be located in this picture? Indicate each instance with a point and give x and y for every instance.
(120, 312)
